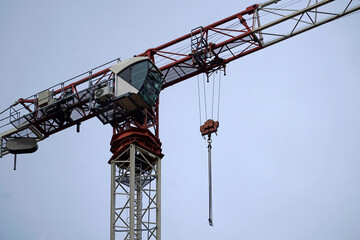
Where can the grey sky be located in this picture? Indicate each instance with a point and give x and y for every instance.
(286, 161)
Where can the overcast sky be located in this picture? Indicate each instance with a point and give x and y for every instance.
(286, 161)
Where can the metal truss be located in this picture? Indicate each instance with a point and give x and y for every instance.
(68, 103)
(136, 172)
(135, 195)
(204, 50)
(275, 23)
(257, 27)
(71, 102)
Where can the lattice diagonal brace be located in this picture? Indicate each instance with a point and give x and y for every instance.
(257, 27)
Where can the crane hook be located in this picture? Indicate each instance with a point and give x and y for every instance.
(209, 127)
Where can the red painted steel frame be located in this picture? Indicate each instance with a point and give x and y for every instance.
(139, 136)
(151, 53)
(181, 66)
(244, 35)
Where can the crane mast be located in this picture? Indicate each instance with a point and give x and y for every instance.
(133, 112)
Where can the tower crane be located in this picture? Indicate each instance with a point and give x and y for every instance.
(124, 94)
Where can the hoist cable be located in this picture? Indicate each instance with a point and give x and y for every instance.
(213, 96)
(210, 183)
(198, 81)
(205, 96)
(218, 116)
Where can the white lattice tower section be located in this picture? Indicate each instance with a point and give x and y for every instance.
(135, 195)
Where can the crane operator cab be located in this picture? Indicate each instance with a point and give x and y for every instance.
(136, 86)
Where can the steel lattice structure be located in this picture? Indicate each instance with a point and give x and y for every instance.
(136, 148)
(257, 27)
(204, 50)
(135, 195)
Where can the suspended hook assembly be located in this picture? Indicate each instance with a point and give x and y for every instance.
(210, 182)
(209, 127)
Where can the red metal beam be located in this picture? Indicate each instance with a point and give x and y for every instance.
(176, 60)
(249, 10)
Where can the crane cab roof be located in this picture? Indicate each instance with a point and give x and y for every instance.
(120, 66)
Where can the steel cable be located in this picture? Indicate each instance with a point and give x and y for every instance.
(213, 96)
(199, 99)
(210, 183)
(218, 116)
(205, 97)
